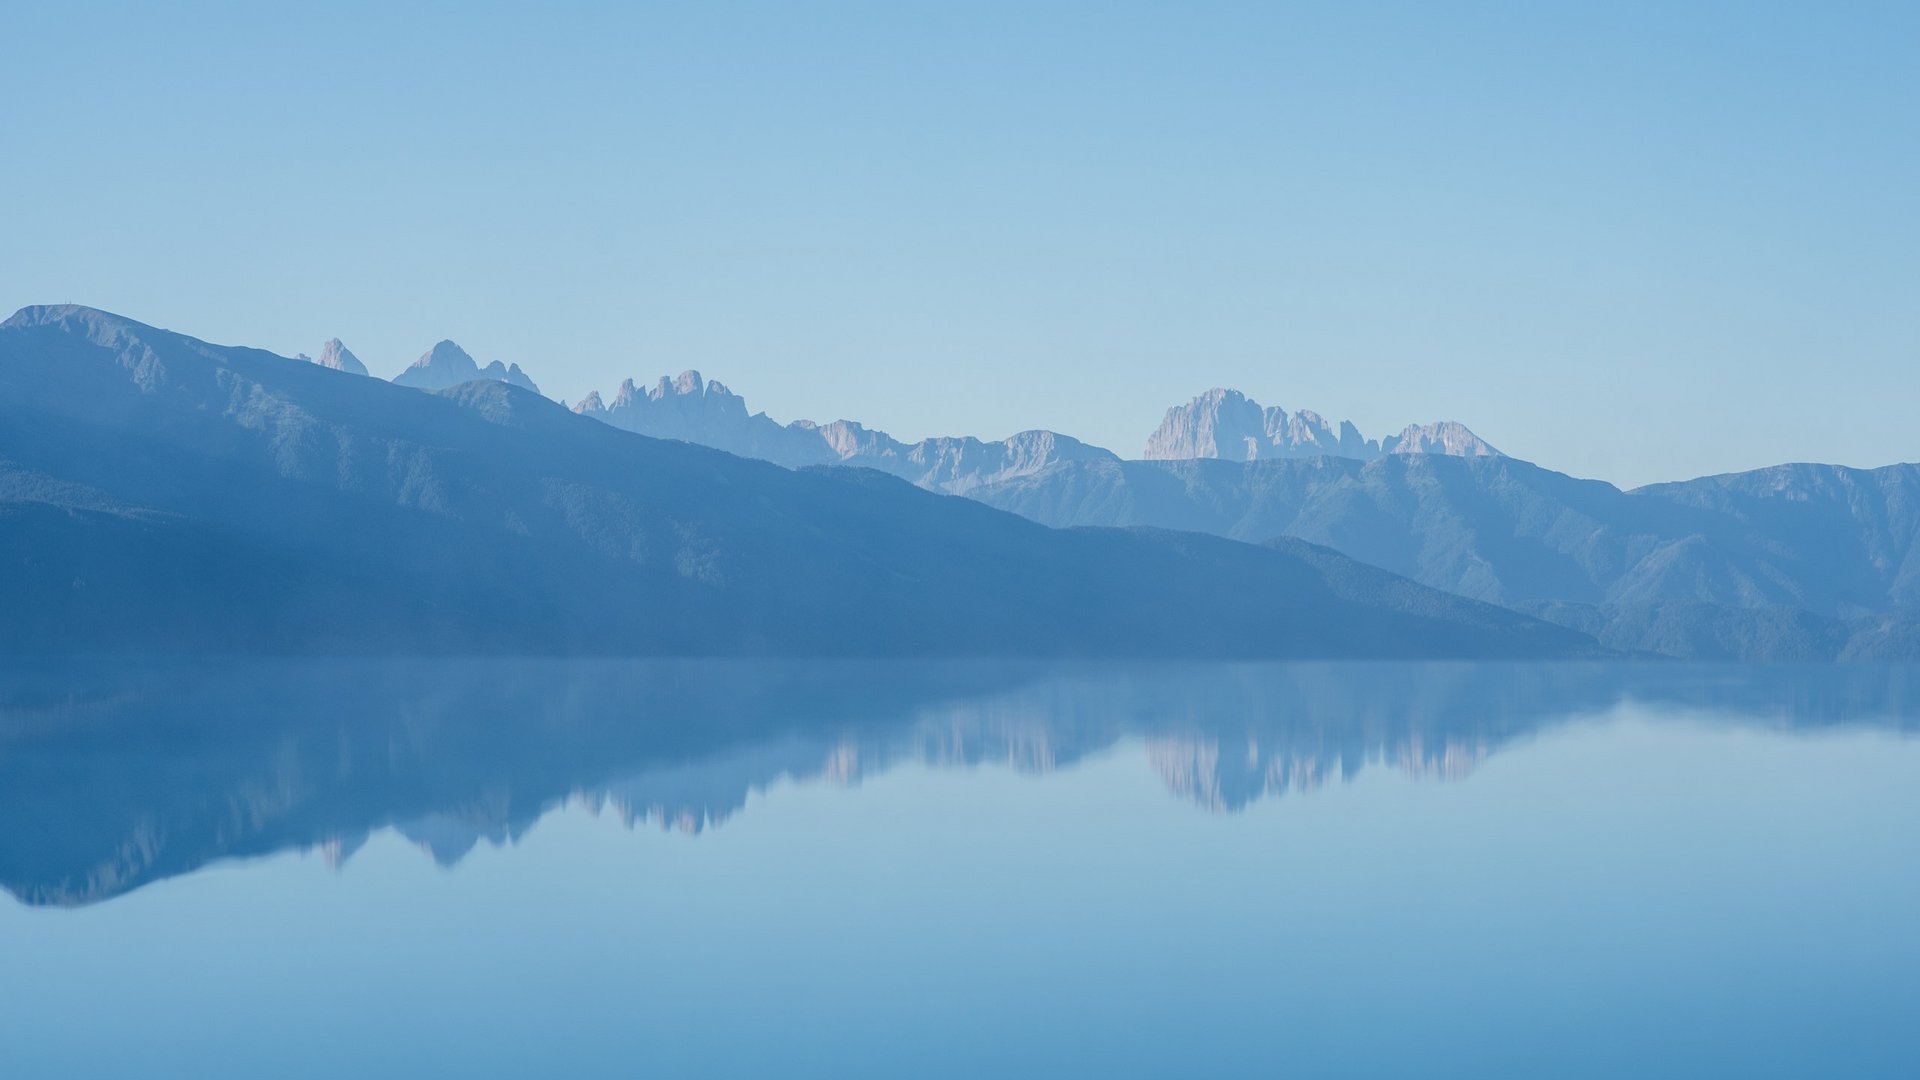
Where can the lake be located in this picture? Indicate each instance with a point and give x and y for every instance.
(703, 868)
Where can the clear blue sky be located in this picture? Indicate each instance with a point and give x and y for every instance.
(1630, 241)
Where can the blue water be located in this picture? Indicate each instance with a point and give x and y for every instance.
(707, 869)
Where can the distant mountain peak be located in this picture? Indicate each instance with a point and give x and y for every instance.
(447, 364)
(338, 357)
(464, 522)
(55, 314)
(445, 351)
(1226, 424)
(1442, 437)
(694, 409)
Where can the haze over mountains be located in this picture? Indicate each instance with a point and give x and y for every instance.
(448, 365)
(1801, 562)
(692, 409)
(1226, 424)
(159, 492)
(1805, 562)
(336, 356)
(443, 366)
(1217, 424)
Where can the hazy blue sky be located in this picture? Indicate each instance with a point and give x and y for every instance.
(1629, 241)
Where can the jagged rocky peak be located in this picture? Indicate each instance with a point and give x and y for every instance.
(447, 364)
(686, 384)
(1227, 424)
(698, 410)
(338, 357)
(445, 354)
(1220, 423)
(690, 409)
(510, 374)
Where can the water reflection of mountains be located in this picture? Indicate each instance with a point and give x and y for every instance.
(113, 776)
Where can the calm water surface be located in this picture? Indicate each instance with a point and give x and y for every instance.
(733, 869)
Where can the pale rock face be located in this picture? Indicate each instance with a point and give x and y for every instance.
(959, 465)
(1227, 424)
(447, 364)
(1444, 437)
(690, 409)
(696, 410)
(336, 356)
(1217, 424)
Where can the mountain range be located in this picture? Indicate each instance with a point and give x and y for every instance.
(448, 365)
(695, 410)
(1226, 424)
(1217, 424)
(445, 365)
(495, 494)
(158, 492)
(1795, 562)
(337, 357)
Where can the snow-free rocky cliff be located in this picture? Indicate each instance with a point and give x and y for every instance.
(1227, 424)
(696, 410)
(1217, 424)
(337, 357)
(158, 492)
(447, 364)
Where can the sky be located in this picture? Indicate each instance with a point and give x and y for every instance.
(1629, 241)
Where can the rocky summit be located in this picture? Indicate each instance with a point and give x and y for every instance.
(1229, 425)
(695, 410)
(446, 365)
(336, 356)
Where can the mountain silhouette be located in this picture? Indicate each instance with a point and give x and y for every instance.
(160, 492)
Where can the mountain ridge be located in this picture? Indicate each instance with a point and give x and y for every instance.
(447, 365)
(1223, 423)
(249, 501)
(1797, 561)
(336, 356)
(692, 409)
(1669, 568)
(1213, 425)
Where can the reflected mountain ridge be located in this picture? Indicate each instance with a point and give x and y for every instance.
(116, 776)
